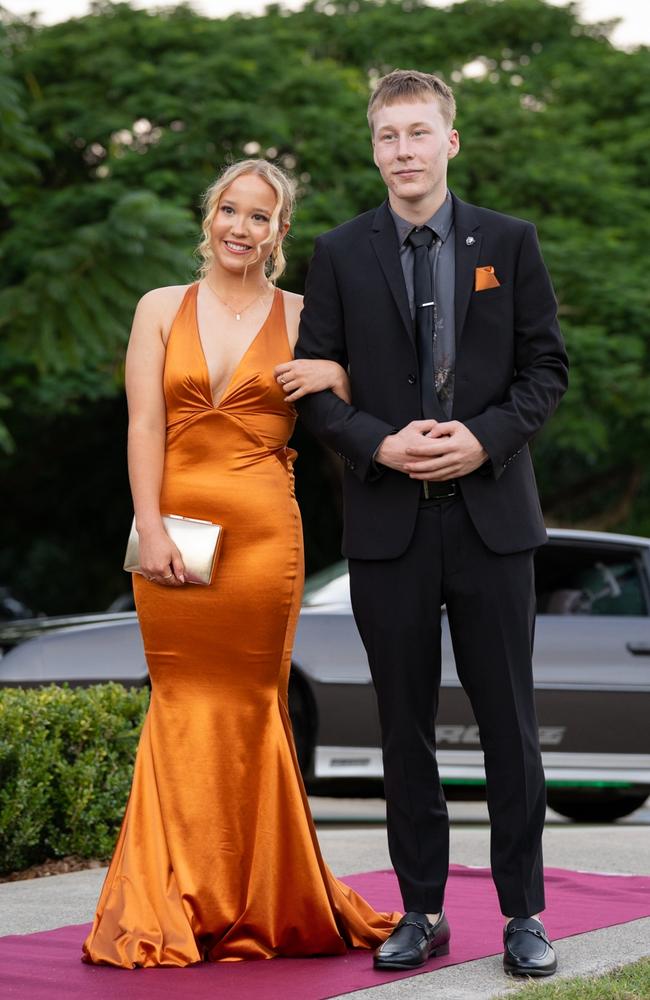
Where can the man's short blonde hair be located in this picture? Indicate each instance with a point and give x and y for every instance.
(404, 86)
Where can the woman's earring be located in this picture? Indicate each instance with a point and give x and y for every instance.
(273, 256)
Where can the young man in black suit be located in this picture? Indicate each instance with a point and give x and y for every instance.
(444, 315)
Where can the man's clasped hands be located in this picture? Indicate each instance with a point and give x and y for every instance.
(432, 450)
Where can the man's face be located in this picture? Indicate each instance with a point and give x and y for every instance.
(411, 146)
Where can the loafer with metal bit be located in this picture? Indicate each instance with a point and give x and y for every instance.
(527, 950)
(413, 940)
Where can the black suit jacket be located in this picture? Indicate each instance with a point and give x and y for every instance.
(511, 371)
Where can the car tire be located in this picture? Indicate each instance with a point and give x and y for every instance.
(594, 807)
(303, 720)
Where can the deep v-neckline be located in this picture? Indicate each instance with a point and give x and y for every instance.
(235, 371)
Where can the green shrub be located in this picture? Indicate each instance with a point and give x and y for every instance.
(66, 758)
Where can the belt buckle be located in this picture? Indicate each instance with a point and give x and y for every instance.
(432, 495)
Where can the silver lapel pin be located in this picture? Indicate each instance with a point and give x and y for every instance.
(469, 240)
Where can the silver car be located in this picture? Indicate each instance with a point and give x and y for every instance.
(592, 678)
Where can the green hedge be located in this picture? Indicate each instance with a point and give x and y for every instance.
(66, 758)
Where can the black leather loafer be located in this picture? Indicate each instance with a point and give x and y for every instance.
(527, 951)
(413, 941)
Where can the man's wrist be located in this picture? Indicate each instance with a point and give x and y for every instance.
(377, 466)
(377, 460)
(374, 461)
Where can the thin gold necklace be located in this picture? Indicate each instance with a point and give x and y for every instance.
(237, 313)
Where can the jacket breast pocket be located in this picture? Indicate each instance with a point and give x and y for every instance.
(491, 313)
(487, 294)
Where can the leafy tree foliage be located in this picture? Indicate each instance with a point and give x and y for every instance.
(111, 126)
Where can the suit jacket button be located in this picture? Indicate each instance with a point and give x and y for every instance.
(412, 379)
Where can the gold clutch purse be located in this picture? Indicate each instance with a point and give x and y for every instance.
(197, 541)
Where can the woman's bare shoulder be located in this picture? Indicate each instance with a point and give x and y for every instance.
(292, 310)
(292, 300)
(156, 310)
(163, 299)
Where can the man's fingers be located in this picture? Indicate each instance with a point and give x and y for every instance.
(431, 477)
(425, 469)
(440, 474)
(422, 426)
(420, 452)
(443, 429)
(428, 449)
(432, 463)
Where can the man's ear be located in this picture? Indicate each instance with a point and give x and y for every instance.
(453, 148)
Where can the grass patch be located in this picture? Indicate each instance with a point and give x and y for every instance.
(631, 982)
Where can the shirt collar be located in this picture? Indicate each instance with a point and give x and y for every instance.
(441, 221)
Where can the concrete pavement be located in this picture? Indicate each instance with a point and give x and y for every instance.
(353, 839)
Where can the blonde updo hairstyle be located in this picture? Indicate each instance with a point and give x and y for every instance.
(284, 188)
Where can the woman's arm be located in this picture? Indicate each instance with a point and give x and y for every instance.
(301, 377)
(145, 359)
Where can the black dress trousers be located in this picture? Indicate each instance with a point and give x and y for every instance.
(490, 602)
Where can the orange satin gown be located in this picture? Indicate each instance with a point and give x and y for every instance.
(217, 858)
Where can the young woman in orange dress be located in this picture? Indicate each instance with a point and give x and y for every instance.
(217, 858)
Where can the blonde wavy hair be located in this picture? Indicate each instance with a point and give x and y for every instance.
(285, 189)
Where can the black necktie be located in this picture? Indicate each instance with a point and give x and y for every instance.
(421, 240)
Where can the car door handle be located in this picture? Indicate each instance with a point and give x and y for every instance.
(638, 648)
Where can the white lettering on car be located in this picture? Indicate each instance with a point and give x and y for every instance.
(548, 735)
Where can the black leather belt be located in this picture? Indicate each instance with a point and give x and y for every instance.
(439, 490)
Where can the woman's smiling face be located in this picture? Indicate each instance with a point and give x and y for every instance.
(241, 223)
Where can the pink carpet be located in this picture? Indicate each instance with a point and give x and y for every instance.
(46, 966)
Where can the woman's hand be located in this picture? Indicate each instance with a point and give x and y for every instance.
(300, 377)
(160, 559)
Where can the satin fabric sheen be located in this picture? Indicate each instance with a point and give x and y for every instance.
(217, 858)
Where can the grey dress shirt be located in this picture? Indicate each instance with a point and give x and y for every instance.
(443, 266)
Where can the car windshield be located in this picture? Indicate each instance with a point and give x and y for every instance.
(328, 585)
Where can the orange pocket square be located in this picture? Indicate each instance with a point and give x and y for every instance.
(484, 277)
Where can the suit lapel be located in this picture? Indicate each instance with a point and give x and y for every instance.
(384, 242)
(467, 238)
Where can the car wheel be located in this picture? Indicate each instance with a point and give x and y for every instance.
(594, 807)
(303, 719)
